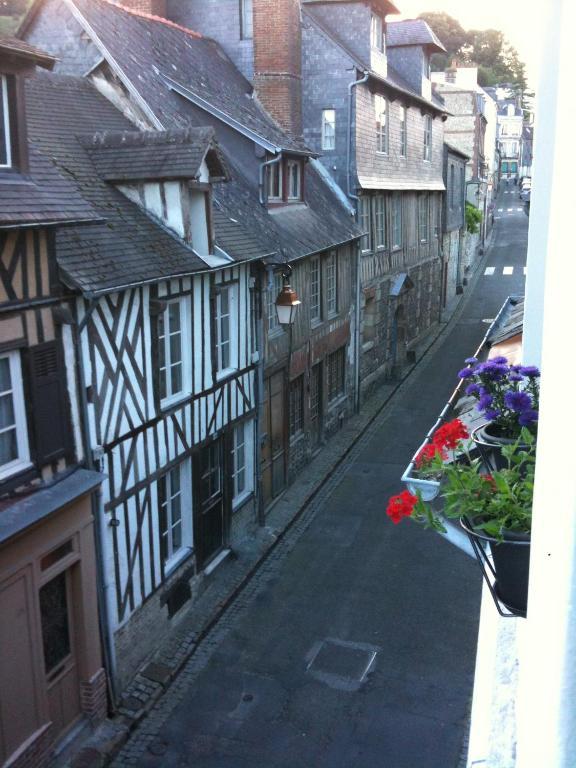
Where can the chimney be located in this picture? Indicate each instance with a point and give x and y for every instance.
(277, 61)
(150, 7)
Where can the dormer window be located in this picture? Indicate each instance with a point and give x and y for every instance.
(377, 32)
(294, 180)
(5, 133)
(275, 182)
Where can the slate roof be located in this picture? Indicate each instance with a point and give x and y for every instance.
(455, 150)
(149, 50)
(13, 47)
(393, 79)
(412, 32)
(123, 156)
(386, 6)
(130, 247)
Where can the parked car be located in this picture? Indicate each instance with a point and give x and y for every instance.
(525, 193)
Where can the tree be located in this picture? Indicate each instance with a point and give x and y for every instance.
(451, 34)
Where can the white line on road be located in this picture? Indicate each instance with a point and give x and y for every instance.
(497, 217)
(508, 271)
(510, 210)
(489, 270)
(500, 210)
(506, 191)
(520, 209)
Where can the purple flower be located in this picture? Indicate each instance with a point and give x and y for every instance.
(517, 401)
(484, 402)
(527, 417)
(530, 370)
(515, 377)
(493, 371)
(492, 414)
(471, 360)
(499, 360)
(472, 389)
(465, 373)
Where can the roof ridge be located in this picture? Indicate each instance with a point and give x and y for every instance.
(151, 17)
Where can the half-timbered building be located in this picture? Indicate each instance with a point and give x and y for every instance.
(170, 77)
(52, 680)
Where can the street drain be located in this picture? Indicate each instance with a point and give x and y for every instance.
(341, 664)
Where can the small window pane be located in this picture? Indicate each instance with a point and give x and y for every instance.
(246, 20)
(331, 284)
(365, 224)
(403, 131)
(380, 223)
(54, 621)
(5, 381)
(381, 106)
(5, 142)
(328, 129)
(336, 374)
(315, 296)
(296, 406)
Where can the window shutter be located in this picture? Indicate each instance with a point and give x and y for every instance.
(50, 418)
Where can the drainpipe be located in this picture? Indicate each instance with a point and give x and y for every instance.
(257, 302)
(261, 180)
(351, 195)
(349, 132)
(105, 618)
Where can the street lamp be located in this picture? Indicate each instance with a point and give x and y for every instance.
(287, 302)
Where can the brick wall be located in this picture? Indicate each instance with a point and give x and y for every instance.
(277, 61)
(93, 697)
(35, 754)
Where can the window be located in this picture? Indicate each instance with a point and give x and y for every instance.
(381, 123)
(275, 181)
(242, 474)
(315, 291)
(246, 20)
(403, 131)
(5, 138)
(364, 221)
(452, 193)
(336, 363)
(423, 218)
(427, 137)
(369, 320)
(426, 69)
(396, 220)
(173, 349)
(294, 180)
(226, 350)
(296, 406)
(331, 284)
(53, 598)
(377, 32)
(328, 129)
(273, 290)
(380, 222)
(175, 523)
(14, 451)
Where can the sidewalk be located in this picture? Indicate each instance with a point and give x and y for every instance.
(228, 581)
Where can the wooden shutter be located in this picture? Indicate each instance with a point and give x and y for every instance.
(49, 412)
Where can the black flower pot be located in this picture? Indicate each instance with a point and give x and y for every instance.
(511, 559)
(490, 442)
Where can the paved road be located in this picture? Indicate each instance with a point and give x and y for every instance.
(355, 646)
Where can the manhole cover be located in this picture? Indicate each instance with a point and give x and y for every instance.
(340, 663)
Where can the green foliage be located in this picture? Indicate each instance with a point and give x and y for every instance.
(494, 502)
(473, 218)
(498, 61)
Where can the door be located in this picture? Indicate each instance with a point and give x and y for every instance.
(316, 404)
(210, 518)
(59, 651)
(398, 344)
(273, 455)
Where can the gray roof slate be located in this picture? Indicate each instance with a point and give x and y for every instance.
(412, 32)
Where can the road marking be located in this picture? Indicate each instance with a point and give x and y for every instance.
(497, 217)
(500, 210)
(520, 209)
(508, 271)
(506, 191)
(510, 210)
(489, 270)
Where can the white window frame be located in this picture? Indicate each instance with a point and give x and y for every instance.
(175, 557)
(377, 32)
(16, 391)
(403, 131)
(6, 110)
(427, 138)
(290, 165)
(328, 130)
(231, 289)
(246, 20)
(364, 214)
(275, 171)
(380, 222)
(423, 211)
(185, 360)
(274, 288)
(396, 219)
(315, 290)
(243, 437)
(331, 290)
(381, 110)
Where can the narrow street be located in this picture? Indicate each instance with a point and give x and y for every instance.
(355, 645)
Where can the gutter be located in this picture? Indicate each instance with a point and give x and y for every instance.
(349, 131)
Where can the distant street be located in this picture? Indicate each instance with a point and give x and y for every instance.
(357, 649)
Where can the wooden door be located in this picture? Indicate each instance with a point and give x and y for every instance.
(210, 516)
(274, 438)
(316, 403)
(60, 652)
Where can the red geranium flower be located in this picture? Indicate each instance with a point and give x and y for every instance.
(401, 506)
(428, 453)
(450, 434)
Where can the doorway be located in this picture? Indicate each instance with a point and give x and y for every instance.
(210, 520)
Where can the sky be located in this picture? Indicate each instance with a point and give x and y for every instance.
(519, 20)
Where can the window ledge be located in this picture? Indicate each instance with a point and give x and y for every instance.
(170, 402)
(226, 373)
(242, 499)
(14, 468)
(338, 401)
(367, 346)
(176, 560)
